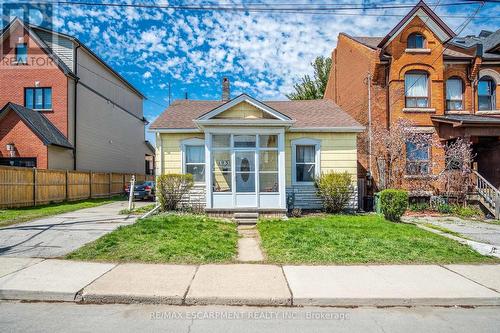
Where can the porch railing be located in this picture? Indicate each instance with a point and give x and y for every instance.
(488, 194)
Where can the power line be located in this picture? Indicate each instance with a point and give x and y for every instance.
(256, 7)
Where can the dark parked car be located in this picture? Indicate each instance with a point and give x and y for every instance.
(143, 190)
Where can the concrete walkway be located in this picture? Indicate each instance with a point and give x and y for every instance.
(482, 237)
(250, 284)
(249, 244)
(475, 230)
(58, 235)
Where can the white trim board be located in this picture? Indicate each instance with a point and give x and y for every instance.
(248, 99)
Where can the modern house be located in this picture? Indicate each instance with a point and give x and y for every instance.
(246, 154)
(63, 107)
(421, 71)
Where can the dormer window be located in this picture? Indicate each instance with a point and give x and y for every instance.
(22, 53)
(415, 41)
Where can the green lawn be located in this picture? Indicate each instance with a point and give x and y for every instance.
(18, 215)
(346, 239)
(171, 238)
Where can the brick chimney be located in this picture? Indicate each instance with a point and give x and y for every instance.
(226, 94)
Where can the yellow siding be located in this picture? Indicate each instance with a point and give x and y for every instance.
(338, 152)
(242, 110)
(170, 160)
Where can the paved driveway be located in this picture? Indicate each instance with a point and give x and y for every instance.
(58, 235)
(474, 230)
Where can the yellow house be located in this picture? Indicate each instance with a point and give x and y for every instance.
(247, 154)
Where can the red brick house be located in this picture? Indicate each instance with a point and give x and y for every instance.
(446, 84)
(62, 107)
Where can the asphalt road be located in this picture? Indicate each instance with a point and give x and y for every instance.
(58, 235)
(65, 317)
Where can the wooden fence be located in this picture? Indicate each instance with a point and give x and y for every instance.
(22, 187)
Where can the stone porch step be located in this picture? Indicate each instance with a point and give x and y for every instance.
(246, 217)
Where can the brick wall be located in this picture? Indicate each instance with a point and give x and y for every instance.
(347, 86)
(14, 78)
(14, 130)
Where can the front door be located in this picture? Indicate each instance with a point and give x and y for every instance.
(244, 174)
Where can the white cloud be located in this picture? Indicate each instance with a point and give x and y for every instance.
(262, 52)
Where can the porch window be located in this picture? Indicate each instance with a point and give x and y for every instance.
(268, 171)
(222, 166)
(195, 162)
(21, 53)
(416, 89)
(416, 41)
(417, 158)
(305, 158)
(454, 93)
(486, 94)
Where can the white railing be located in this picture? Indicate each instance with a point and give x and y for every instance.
(489, 193)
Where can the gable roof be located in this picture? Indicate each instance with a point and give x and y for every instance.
(247, 99)
(308, 114)
(32, 30)
(39, 124)
(419, 7)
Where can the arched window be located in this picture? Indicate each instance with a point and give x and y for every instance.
(486, 93)
(454, 94)
(417, 89)
(416, 41)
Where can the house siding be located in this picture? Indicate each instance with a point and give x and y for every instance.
(62, 47)
(338, 153)
(110, 132)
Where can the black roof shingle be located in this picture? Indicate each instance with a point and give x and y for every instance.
(39, 124)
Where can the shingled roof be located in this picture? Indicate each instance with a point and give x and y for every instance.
(39, 124)
(320, 113)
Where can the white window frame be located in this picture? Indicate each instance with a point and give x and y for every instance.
(192, 142)
(317, 160)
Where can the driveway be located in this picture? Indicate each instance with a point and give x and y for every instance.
(58, 235)
(474, 230)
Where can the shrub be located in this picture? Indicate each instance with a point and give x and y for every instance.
(466, 211)
(444, 208)
(171, 188)
(419, 207)
(336, 189)
(393, 203)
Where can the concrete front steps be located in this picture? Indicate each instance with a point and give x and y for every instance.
(246, 216)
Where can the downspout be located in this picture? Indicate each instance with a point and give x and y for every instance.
(75, 105)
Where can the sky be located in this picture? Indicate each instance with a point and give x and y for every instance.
(262, 53)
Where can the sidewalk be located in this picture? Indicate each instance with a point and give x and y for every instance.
(250, 284)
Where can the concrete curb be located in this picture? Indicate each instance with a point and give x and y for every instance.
(348, 302)
(255, 284)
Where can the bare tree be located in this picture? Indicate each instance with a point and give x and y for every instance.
(455, 178)
(392, 156)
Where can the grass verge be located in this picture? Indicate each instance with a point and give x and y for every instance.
(138, 211)
(170, 238)
(345, 239)
(18, 215)
(445, 230)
